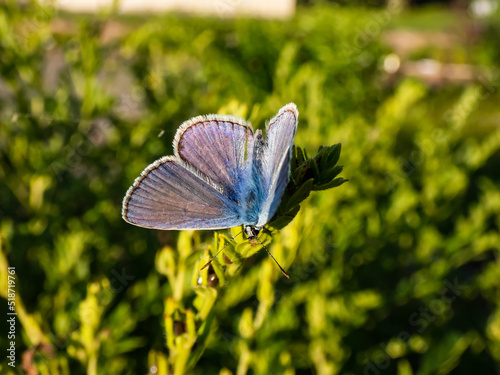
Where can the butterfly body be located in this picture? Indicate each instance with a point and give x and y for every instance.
(222, 175)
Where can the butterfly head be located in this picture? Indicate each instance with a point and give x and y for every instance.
(252, 232)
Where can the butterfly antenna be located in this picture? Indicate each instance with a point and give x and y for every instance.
(271, 255)
(218, 252)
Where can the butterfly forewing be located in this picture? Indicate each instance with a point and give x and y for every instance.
(168, 195)
(219, 147)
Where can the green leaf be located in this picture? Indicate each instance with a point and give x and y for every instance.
(283, 220)
(299, 173)
(298, 156)
(301, 194)
(201, 341)
(314, 166)
(247, 249)
(333, 154)
(334, 183)
(328, 175)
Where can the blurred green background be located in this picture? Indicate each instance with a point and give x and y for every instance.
(395, 272)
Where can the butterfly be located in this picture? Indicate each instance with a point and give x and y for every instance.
(223, 174)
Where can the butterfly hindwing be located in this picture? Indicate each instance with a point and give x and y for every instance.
(170, 195)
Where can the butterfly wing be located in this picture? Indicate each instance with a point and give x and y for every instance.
(203, 186)
(276, 159)
(171, 195)
(221, 148)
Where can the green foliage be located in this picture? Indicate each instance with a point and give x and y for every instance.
(394, 272)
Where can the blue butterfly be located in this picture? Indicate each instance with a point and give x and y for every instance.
(222, 175)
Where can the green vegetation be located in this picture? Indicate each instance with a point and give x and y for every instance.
(394, 272)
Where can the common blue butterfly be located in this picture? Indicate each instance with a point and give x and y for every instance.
(222, 175)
